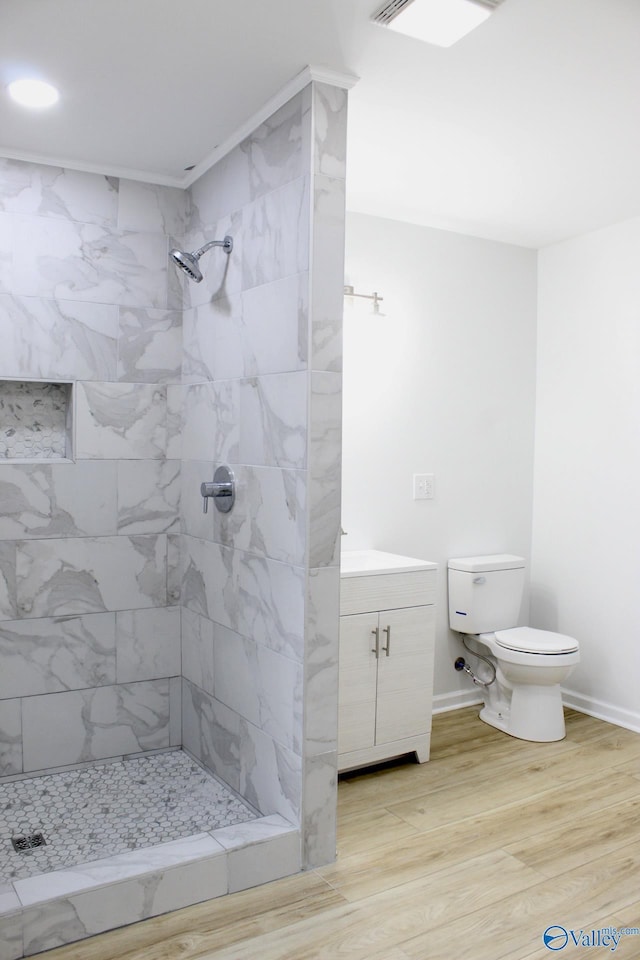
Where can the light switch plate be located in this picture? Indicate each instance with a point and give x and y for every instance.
(423, 486)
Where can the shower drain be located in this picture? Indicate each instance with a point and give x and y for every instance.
(28, 842)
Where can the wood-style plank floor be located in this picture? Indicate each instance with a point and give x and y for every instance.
(468, 857)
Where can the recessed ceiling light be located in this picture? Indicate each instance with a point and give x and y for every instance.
(441, 22)
(33, 93)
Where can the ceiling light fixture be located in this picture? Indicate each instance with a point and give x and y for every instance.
(441, 22)
(33, 93)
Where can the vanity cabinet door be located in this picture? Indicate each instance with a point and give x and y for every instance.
(357, 682)
(405, 676)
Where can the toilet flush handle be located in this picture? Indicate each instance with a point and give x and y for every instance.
(479, 580)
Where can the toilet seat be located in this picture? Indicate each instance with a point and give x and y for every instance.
(531, 640)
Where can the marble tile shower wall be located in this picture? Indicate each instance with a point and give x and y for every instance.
(262, 392)
(89, 621)
(95, 555)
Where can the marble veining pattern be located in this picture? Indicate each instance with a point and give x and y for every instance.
(325, 463)
(213, 341)
(197, 649)
(221, 190)
(211, 732)
(6, 250)
(47, 191)
(148, 644)
(152, 208)
(330, 130)
(121, 421)
(67, 260)
(58, 500)
(90, 575)
(8, 604)
(273, 419)
(173, 448)
(281, 305)
(269, 772)
(49, 655)
(275, 227)
(321, 664)
(97, 723)
(275, 149)
(260, 599)
(327, 300)
(262, 686)
(10, 737)
(174, 567)
(149, 346)
(148, 496)
(57, 339)
(105, 810)
(210, 429)
(270, 519)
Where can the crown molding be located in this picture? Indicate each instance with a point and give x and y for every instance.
(123, 173)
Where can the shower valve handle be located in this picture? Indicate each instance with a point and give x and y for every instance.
(222, 489)
(214, 490)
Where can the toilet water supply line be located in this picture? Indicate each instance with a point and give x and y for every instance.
(461, 664)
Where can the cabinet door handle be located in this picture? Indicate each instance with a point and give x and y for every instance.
(376, 649)
(387, 649)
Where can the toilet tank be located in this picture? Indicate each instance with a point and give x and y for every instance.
(485, 593)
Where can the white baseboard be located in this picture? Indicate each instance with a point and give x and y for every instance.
(443, 702)
(601, 710)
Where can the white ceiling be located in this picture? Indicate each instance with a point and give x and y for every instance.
(526, 131)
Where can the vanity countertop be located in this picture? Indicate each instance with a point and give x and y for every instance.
(370, 563)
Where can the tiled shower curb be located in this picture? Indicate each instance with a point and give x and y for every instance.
(49, 910)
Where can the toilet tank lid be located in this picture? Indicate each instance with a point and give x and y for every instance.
(496, 561)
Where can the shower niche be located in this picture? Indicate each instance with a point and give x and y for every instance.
(36, 420)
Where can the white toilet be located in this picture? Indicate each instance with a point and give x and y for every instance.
(525, 700)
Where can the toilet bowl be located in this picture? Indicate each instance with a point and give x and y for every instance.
(530, 666)
(525, 698)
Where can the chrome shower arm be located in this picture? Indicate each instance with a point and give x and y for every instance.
(226, 244)
(188, 262)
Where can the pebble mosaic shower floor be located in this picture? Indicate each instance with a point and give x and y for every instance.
(110, 808)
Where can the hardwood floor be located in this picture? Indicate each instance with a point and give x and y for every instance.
(468, 857)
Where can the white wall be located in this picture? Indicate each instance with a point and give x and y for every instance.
(586, 528)
(442, 383)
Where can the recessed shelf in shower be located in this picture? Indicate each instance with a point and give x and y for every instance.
(35, 420)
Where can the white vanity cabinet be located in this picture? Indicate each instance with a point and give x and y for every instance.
(387, 635)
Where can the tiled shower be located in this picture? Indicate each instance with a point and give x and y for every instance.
(137, 632)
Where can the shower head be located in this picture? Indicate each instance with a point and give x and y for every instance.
(188, 262)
